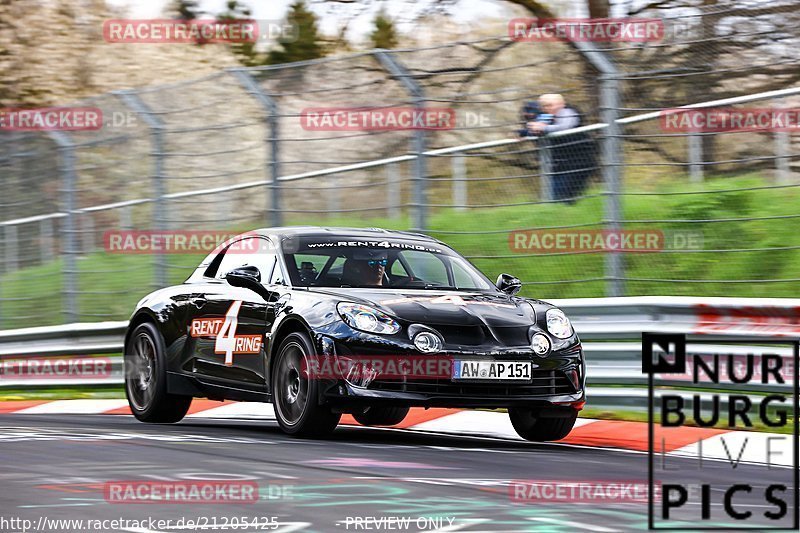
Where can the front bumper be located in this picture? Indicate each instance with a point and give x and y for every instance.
(558, 382)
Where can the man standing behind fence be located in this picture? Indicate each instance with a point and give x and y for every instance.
(572, 156)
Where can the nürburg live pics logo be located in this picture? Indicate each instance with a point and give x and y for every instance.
(723, 433)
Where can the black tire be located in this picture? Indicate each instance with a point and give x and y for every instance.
(146, 379)
(530, 426)
(295, 396)
(381, 416)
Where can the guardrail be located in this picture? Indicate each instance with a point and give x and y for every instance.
(610, 329)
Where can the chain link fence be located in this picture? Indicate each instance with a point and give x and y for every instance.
(715, 212)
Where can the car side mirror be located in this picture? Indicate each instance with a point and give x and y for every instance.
(247, 277)
(508, 284)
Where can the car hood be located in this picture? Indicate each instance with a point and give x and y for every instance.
(451, 308)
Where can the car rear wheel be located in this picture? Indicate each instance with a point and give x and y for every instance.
(530, 426)
(295, 396)
(381, 416)
(146, 379)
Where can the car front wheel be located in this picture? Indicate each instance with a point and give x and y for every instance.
(146, 379)
(295, 396)
(530, 426)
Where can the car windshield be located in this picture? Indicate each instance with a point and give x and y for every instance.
(341, 262)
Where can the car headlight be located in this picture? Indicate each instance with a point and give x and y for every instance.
(558, 324)
(365, 318)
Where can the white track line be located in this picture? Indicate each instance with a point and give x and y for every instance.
(480, 423)
(748, 447)
(238, 410)
(74, 407)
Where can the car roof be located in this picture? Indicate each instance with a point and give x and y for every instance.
(362, 233)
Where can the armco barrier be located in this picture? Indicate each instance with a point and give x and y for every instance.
(610, 329)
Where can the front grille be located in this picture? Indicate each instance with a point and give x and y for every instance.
(478, 335)
(463, 335)
(512, 335)
(543, 383)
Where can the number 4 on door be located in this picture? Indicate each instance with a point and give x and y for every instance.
(226, 338)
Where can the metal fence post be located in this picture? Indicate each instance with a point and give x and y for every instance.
(156, 126)
(66, 150)
(611, 151)
(782, 165)
(125, 219)
(545, 169)
(271, 107)
(612, 167)
(393, 190)
(88, 229)
(398, 71)
(11, 242)
(46, 239)
(2, 272)
(695, 145)
(459, 182)
(10, 259)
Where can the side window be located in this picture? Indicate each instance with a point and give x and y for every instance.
(252, 251)
(426, 266)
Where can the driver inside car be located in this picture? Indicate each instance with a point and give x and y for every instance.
(308, 273)
(365, 269)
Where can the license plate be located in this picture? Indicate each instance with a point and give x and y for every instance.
(492, 370)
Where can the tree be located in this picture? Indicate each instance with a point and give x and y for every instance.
(304, 44)
(186, 9)
(599, 9)
(384, 34)
(245, 52)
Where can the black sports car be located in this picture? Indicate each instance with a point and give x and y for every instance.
(326, 321)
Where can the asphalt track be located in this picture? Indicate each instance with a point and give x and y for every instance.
(54, 467)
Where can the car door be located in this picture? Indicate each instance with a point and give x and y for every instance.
(229, 323)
